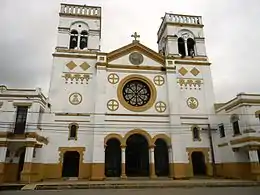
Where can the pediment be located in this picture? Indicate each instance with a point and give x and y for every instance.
(122, 55)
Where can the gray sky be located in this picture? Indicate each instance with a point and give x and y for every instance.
(232, 29)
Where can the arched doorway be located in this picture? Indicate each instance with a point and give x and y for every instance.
(70, 164)
(137, 156)
(198, 163)
(161, 158)
(20, 164)
(113, 158)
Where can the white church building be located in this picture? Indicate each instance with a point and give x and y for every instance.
(132, 112)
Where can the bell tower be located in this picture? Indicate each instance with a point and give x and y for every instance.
(74, 59)
(181, 36)
(79, 28)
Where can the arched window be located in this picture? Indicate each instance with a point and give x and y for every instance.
(181, 47)
(73, 39)
(190, 46)
(83, 40)
(73, 128)
(196, 133)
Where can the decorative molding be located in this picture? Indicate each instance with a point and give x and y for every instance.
(151, 141)
(139, 115)
(244, 140)
(112, 105)
(75, 98)
(159, 80)
(10, 135)
(193, 63)
(191, 83)
(164, 137)
(144, 79)
(222, 145)
(113, 78)
(71, 114)
(199, 118)
(74, 121)
(80, 16)
(135, 46)
(135, 67)
(80, 150)
(136, 121)
(76, 77)
(76, 51)
(192, 102)
(15, 104)
(75, 54)
(160, 106)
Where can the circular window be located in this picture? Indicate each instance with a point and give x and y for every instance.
(136, 93)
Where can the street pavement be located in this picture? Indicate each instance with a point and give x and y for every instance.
(156, 191)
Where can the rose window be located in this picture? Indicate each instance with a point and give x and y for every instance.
(136, 93)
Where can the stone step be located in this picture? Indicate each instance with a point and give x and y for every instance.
(141, 184)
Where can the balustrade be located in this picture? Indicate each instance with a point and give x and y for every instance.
(80, 10)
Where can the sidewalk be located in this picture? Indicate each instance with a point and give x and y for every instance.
(131, 184)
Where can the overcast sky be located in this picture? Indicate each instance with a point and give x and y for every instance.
(232, 30)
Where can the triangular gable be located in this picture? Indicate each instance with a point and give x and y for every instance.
(135, 46)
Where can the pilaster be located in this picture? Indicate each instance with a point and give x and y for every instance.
(3, 150)
(26, 174)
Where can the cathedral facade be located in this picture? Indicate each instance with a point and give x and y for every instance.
(132, 112)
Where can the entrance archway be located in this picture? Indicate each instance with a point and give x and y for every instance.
(198, 163)
(70, 164)
(20, 164)
(113, 158)
(161, 158)
(137, 156)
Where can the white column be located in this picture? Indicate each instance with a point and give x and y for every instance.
(151, 163)
(151, 155)
(29, 154)
(123, 175)
(186, 48)
(123, 154)
(253, 156)
(3, 151)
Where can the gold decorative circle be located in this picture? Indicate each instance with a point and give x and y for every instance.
(192, 102)
(160, 106)
(113, 78)
(112, 105)
(141, 78)
(75, 98)
(158, 80)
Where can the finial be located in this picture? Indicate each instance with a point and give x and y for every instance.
(135, 36)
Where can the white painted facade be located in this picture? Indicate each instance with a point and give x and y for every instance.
(175, 122)
(184, 78)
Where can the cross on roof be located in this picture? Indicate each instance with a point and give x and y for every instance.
(135, 36)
